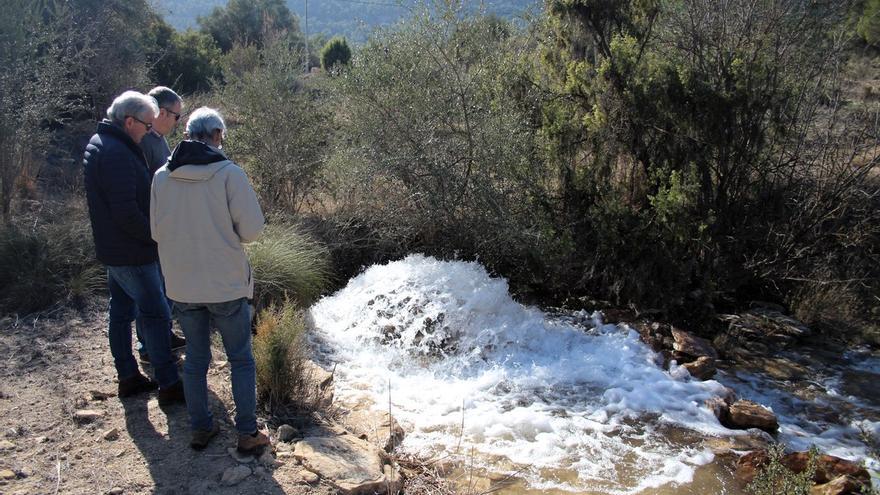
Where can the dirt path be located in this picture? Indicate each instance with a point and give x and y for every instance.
(49, 369)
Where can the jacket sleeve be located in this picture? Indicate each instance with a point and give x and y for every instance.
(153, 224)
(120, 184)
(247, 217)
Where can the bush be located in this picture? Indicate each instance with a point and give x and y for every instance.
(776, 479)
(288, 265)
(44, 263)
(279, 124)
(279, 352)
(335, 53)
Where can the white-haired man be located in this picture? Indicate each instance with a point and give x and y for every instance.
(117, 186)
(202, 209)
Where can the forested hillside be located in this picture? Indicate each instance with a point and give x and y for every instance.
(354, 19)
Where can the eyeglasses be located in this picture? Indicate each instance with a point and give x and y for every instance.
(176, 115)
(146, 124)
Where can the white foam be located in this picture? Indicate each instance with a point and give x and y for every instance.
(539, 393)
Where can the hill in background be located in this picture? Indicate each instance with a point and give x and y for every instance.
(354, 19)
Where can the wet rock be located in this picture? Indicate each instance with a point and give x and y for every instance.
(377, 427)
(701, 369)
(287, 433)
(111, 434)
(783, 369)
(721, 446)
(691, 345)
(720, 408)
(745, 414)
(829, 469)
(87, 415)
(350, 464)
(318, 375)
(616, 316)
(6, 445)
(652, 335)
(838, 486)
(235, 475)
(757, 331)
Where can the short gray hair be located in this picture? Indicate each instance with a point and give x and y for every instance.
(165, 97)
(203, 122)
(131, 104)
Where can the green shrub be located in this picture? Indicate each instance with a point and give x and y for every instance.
(335, 53)
(776, 479)
(288, 265)
(279, 352)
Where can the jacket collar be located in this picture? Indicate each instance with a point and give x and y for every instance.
(194, 153)
(106, 127)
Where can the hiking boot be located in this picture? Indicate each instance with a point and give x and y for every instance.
(177, 342)
(200, 438)
(253, 444)
(172, 395)
(135, 385)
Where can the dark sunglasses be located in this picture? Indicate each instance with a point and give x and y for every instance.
(172, 112)
(148, 126)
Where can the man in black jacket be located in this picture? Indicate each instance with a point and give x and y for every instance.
(118, 191)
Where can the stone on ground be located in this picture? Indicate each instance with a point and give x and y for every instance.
(287, 433)
(235, 475)
(352, 465)
(745, 414)
(87, 415)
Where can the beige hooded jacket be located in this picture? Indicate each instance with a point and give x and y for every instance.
(200, 215)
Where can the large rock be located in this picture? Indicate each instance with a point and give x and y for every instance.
(757, 331)
(691, 345)
(703, 368)
(352, 465)
(745, 414)
(376, 427)
(842, 485)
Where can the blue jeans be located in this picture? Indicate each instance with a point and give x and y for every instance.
(233, 322)
(138, 323)
(136, 292)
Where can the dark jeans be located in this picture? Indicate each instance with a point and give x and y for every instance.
(138, 322)
(232, 320)
(136, 291)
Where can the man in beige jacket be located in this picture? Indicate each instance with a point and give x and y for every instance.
(202, 209)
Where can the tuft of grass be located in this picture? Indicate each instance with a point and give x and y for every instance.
(288, 265)
(46, 263)
(279, 351)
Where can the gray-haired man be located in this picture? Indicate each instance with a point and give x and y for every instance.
(118, 192)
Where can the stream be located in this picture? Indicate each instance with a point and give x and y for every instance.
(543, 403)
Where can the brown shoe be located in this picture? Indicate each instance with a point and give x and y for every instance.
(135, 385)
(201, 438)
(172, 395)
(253, 444)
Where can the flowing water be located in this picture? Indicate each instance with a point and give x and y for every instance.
(559, 403)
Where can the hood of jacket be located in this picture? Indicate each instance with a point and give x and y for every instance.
(195, 161)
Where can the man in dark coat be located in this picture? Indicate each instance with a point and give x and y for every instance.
(117, 185)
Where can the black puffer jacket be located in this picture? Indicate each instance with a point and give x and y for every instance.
(118, 191)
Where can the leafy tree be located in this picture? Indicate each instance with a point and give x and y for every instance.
(188, 61)
(250, 21)
(868, 26)
(335, 53)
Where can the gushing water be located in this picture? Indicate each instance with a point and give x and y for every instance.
(567, 404)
